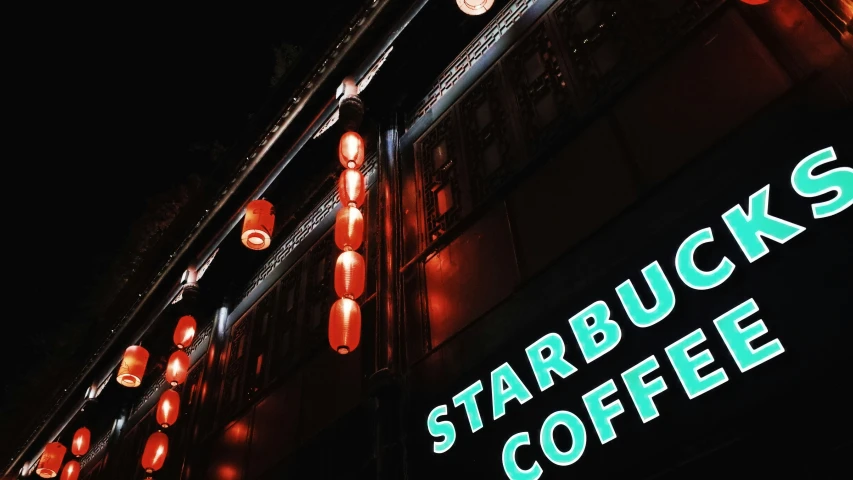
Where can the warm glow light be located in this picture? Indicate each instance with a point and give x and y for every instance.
(258, 225)
(754, 2)
(349, 275)
(349, 228)
(176, 368)
(168, 408)
(351, 188)
(71, 470)
(351, 150)
(156, 449)
(184, 331)
(132, 367)
(51, 460)
(475, 7)
(344, 326)
(80, 442)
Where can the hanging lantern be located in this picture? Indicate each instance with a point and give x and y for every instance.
(349, 275)
(344, 326)
(176, 369)
(351, 188)
(349, 228)
(755, 2)
(185, 331)
(132, 367)
(156, 449)
(80, 442)
(258, 225)
(168, 408)
(475, 7)
(51, 460)
(70, 471)
(351, 150)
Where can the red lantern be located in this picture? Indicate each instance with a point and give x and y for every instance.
(344, 326)
(176, 369)
(349, 228)
(168, 408)
(475, 7)
(351, 150)
(755, 2)
(80, 443)
(51, 460)
(156, 449)
(258, 225)
(349, 275)
(132, 367)
(185, 331)
(351, 188)
(70, 471)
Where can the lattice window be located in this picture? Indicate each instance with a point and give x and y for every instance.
(440, 157)
(238, 347)
(289, 305)
(319, 290)
(257, 375)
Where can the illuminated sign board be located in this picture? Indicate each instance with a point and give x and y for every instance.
(743, 329)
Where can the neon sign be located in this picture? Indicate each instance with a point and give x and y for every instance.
(595, 334)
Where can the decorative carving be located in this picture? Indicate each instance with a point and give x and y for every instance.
(232, 394)
(319, 294)
(96, 450)
(201, 340)
(439, 158)
(148, 395)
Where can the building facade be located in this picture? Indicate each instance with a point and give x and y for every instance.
(604, 238)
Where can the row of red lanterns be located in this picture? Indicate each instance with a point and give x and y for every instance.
(54, 453)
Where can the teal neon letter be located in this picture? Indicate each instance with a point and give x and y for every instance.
(642, 392)
(515, 389)
(542, 366)
(662, 290)
(738, 339)
(601, 414)
(511, 468)
(549, 447)
(585, 332)
(687, 366)
(443, 429)
(749, 228)
(838, 180)
(466, 397)
(690, 273)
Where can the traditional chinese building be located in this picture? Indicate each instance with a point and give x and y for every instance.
(514, 239)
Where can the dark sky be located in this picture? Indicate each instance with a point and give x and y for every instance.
(110, 112)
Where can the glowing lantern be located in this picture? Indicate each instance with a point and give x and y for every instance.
(185, 331)
(176, 369)
(132, 367)
(349, 228)
(349, 275)
(755, 2)
(70, 471)
(351, 150)
(475, 7)
(80, 443)
(344, 326)
(156, 449)
(258, 225)
(168, 408)
(51, 460)
(351, 188)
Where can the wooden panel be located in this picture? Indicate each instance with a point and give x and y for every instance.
(331, 386)
(228, 460)
(274, 433)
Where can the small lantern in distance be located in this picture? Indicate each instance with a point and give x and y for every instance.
(344, 326)
(350, 275)
(475, 7)
(51, 460)
(258, 225)
(349, 228)
(80, 442)
(71, 470)
(156, 449)
(168, 408)
(132, 367)
(351, 150)
(351, 188)
(184, 332)
(176, 369)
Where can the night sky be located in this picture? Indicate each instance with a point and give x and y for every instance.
(116, 113)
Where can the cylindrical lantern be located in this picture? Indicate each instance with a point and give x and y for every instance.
(351, 150)
(71, 470)
(168, 408)
(258, 225)
(349, 228)
(344, 326)
(156, 449)
(51, 460)
(351, 188)
(80, 442)
(349, 275)
(132, 366)
(176, 369)
(185, 331)
(475, 7)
